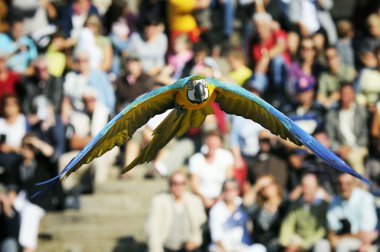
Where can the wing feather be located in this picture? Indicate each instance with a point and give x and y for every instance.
(121, 128)
(236, 100)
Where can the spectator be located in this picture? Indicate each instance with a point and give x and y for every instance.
(266, 162)
(270, 45)
(73, 15)
(94, 23)
(329, 80)
(368, 90)
(304, 67)
(133, 83)
(182, 53)
(209, 168)
(347, 128)
(372, 40)
(313, 16)
(244, 138)
(76, 82)
(175, 219)
(239, 71)
(13, 127)
(150, 44)
(86, 125)
(351, 217)
(267, 207)
(41, 86)
(29, 170)
(228, 222)
(20, 48)
(344, 45)
(201, 63)
(304, 109)
(9, 223)
(119, 23)
(9, 80)
(181, 18)
(56, 57)
(304, 227)
(38, 14)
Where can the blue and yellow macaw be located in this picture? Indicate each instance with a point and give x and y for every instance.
(190, 98)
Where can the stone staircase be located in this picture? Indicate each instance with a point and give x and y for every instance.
(110, 220)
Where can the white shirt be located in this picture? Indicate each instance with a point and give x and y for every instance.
(229, 227)
(309, 16)
(14, 132)
(211, 175)
(346, 125)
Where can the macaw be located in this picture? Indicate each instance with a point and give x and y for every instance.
(190, 100)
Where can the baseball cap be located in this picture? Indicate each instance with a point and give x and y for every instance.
(303, 84)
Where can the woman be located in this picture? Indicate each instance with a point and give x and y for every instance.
(13, 126)
(267, 208)
(94, 23)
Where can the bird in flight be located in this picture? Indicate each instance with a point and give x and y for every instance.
(190, 99)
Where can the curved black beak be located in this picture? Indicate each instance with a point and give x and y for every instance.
(199, 92)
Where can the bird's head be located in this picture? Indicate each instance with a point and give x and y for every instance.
(197, 91)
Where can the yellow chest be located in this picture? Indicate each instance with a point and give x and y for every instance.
(182, 99)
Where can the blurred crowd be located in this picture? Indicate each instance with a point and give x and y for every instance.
(68, 66)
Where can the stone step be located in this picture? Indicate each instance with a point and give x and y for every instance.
(112, 219)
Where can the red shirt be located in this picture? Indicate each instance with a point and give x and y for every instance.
(8, 86)
(258, 47)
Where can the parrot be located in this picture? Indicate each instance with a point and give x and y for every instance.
(190, 99)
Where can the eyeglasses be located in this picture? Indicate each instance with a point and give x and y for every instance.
(177, 183)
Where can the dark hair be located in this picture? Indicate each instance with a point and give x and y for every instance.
(230, 181)
(346, 84)
(113, 13)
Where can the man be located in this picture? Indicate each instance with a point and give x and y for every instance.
(347, 128)
(305, 111)
(269, 45)
(305, 225)
(133, 83)
(228, 222)
(86, 125)
(175, 218)
(329, 80)
(351, 217)
(21, 49)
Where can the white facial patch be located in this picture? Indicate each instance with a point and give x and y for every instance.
(191, 90)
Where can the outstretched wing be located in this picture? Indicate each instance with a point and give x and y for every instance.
(236, 100)
(122, 126)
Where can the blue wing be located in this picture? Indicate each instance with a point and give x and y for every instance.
(121, 128)
(236, 100)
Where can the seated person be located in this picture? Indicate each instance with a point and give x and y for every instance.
(209, 168)
(175, 218)
(267, 207)
(228, 222)
(9, 223)
(351, 217)
(85, 126)
(304, 227)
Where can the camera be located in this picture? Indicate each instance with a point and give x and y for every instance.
(346, 226)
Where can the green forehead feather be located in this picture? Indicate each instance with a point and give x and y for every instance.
(197, 77)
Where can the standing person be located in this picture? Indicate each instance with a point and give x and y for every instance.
(228, 222)
(305, 225)
(351, 217)
(175, 219)
(209, 168)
